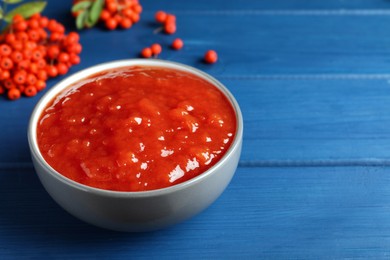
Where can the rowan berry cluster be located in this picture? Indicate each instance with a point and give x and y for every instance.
(120, 13)
(33, 50)
(167, 20)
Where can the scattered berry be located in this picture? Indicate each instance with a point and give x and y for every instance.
(210, 57)
(167, 20)
(156, 49)
(177, 44)
(146, 52)
(160, 16)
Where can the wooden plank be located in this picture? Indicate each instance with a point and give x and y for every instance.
(313, 212)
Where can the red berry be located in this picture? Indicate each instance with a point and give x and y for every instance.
(20, 26)
(177, 44)
(62, 68)
(5, 50)
(30, 91)
(210, 57)
(40, 85)
(6, 63)
(111, 24)
(126, 23)
(156, 49)
(31, 79)
(170, 18)
(104, 15)
(160, 16)
(146, 52)
(16, 56)
(170, 28)
(63, 57)
(20, 77)
(53, 51)
(74, 59)
(52, 71)
(13, 93)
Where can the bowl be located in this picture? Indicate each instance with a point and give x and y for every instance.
(142, 210)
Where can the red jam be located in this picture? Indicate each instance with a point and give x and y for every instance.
(136, 128)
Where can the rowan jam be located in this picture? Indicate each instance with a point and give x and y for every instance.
(136, 128)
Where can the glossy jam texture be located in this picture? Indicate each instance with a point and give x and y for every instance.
(136, 128)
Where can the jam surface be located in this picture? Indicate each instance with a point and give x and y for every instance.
(136, 128)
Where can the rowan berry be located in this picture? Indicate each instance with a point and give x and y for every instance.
(42, 75)
(52, 71)
(40, 85)
(52, 25)
(105, 15)
(31, 79)
(17, 45)
(33, 23)
(156, 49)
(5, 50)
(112, 7)
(75, 48)
(10, 38)
(137, 8)
(160, 16)
(55, 36)
(20, 77)
(111, 23)
(24, 64)
(62, 68)
(17, 18)
(63, 57)
(21, 36)
(27, 54)
(33, 68)
(211, 56)
(170, 18)
(20, 26)
(74, 59)
(177, 44)
(170, 28)
(72, 38)
(8, 83)
(13, 93)
(30, 91)
(16, 56)
(43, 22)
(41, 63)
(6, 63)
(126, 23)
(135, 17)
(127, 12)
(5, 75)
(37, 55)
(146, 52)
(53, 51)
(33, 35)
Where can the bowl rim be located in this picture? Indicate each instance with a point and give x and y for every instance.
(84, 73)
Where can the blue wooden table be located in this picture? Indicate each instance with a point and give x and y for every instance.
(313, 81)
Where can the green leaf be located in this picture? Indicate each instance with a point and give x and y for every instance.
(12, 1)
(80, 20)
(96, 10)
(26, 10)
(81, 6)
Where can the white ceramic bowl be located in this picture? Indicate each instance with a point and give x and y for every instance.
(136, 211)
